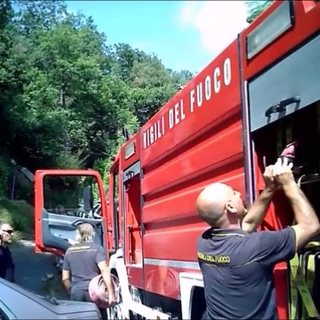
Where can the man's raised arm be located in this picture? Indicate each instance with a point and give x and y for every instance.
(307, 221)
(259, 208)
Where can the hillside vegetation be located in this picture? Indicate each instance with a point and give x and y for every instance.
(19, 214)
(68, 97)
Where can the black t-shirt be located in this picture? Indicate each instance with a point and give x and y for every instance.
(6, 264)
(82, 262)
(237, 270)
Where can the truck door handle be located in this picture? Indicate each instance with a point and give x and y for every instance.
(281, 106)
(130, 228)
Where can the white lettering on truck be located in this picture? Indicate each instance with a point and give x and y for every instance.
(203, 91)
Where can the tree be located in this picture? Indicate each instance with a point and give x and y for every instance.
(7, 84)
(256, 8)
(66, 97)
(151, 84)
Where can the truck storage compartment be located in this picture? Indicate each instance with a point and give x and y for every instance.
(301, 131)
(284, 114)
(298, 134)
(290, 85)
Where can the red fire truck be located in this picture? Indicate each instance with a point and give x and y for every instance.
(226, 124)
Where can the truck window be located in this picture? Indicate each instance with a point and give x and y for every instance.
(70, 195)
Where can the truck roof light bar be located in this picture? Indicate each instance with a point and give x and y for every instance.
(271, 28)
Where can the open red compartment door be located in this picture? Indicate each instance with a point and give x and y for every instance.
(279, 56)
(63, 200)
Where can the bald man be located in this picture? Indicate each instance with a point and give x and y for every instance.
(237, 263)
(6, 261)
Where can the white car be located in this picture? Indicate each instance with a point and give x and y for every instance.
(19, 303)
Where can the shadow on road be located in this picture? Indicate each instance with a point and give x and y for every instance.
(33, 268)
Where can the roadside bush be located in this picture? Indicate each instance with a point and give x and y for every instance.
(19, 214)
(4, 176)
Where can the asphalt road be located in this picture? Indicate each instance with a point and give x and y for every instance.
(32, 268)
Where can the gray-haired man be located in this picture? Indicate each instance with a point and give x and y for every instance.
(6, 261)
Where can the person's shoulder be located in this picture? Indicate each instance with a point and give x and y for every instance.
(255, 237)
(275, 246)
(248, 241)
(204, 237)
(99, 251)
(96, 246)
(76, 247)
(271, 233)
(268, 238)
(71, 248)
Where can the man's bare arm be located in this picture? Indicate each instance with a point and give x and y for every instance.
(105, 271)
(66, 280)
(258, 210)
(307, 221)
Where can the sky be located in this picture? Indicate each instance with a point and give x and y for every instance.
(185, 35)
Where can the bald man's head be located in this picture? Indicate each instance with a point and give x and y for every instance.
(5, 226)
(217, 202)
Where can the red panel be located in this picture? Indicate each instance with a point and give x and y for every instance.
(208, 155)
(174, 221)
(163, 280)
(281, 287)
(205, 147)
(135, 276)
(115, 162)
(183, 107)
(182, 203)
(114, 168)
(111, 240)
(307, 16)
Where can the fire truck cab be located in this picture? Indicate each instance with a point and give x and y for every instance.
(227, 124)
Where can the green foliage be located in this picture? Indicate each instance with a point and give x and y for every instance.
(68, 160)
(256, 8)
(103, 166)
(24, 191)
(4, 174)
(19, 214)
(63, 190)
(66, 95)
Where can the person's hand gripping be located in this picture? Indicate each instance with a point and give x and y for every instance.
(282, 173)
